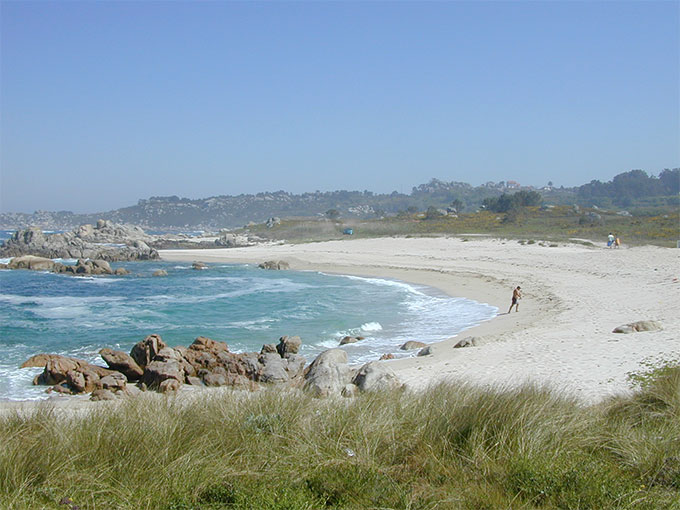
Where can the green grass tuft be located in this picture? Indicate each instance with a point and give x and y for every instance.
(450, 447)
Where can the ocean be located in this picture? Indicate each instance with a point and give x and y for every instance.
(239, 304)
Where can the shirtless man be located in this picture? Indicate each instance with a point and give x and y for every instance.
(516, 296)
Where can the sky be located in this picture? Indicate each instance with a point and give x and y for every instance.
(103, 103)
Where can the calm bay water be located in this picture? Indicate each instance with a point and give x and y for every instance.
(239, 304)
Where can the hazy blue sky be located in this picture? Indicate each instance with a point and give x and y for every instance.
(104, 103)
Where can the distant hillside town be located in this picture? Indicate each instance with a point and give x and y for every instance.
(634, 189)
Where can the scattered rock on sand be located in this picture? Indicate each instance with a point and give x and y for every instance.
(635, 327)
(274, 264)
(426, 351)
(376, 376)
(468, 341)
(328, 373)
(412, 344)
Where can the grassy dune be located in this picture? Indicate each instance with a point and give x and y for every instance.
(452, 447)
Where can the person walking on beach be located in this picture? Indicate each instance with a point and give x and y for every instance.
(610, 240)
(617, 242)
(516, 296)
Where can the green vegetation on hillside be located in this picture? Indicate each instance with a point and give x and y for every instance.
(559, 224)
(642, 194)
(451, 447)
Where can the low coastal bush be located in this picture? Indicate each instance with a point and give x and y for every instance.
(450, 447)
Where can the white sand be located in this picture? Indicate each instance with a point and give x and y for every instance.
(574, 296)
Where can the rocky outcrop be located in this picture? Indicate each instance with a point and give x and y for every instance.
(636, 327)
(376, 376)
(122, 362)
(145, 351)
(104, 241)
(156, 366)
(328, 374)
(288, 345)
(230, 240)
(31, 262)
(158, 371)
(71, 375)
(274, 264)
(84, 268)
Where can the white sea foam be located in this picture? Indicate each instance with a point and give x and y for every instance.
(68, 262)
(327, 344)
(371, 326)
(255, 324)
(57, 300)
(381, 281)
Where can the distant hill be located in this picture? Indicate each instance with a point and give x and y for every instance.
(175, 213)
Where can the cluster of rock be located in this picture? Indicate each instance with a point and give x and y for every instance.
(636, 327)
(274, 264)
(105, 241)
(152, 365)
(330, 375)
(81, 268)
(231, 240)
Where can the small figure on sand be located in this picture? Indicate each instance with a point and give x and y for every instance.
(617, 242)
(610, 240)
(516, 296)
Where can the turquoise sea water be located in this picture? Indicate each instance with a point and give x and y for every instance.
(239, 304)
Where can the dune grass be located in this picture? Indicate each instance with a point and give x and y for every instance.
(450, 447)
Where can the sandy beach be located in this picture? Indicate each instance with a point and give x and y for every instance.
(573, 297)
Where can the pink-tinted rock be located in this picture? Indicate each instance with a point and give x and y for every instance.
(122, 362)
(145, 351)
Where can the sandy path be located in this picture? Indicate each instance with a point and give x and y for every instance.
(573, 297)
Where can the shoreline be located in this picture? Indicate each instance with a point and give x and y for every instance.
(574, 296)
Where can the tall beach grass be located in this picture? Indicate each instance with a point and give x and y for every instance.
(450, 447)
